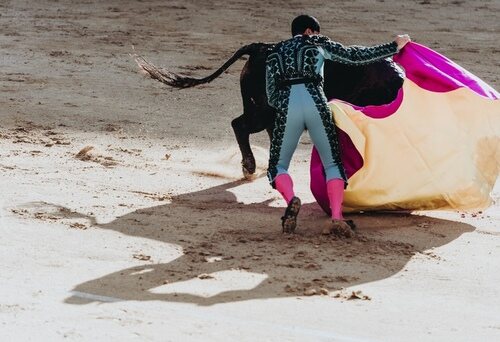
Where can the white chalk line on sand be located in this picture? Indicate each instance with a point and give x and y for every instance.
(293, 329)
(91, 296)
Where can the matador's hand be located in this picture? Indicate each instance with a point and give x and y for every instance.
(402, 40)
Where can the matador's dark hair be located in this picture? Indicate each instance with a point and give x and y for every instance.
(303, 22)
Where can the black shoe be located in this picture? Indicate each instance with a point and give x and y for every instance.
(351, 224)
(289, 220)
(342, 229)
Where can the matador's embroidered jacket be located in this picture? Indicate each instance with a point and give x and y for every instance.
(300, 60)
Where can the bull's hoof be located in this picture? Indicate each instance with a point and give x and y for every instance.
(248, 166)
(339, 228)
(289, 220)
(246, 173)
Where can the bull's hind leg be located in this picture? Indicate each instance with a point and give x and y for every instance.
(242, 132)
(250, 122)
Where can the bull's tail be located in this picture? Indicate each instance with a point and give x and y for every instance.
(179, 81)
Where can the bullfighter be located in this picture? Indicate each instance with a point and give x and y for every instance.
(294, 85)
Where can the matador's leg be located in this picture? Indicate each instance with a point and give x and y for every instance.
(322, 131)
(286, 135)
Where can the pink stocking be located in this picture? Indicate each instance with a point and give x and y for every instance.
(335, 189)
(284, 185)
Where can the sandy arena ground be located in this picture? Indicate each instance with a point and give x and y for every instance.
(153, 236)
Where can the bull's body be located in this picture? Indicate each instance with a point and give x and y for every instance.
(374, 84)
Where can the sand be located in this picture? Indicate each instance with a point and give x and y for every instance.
(124, 214)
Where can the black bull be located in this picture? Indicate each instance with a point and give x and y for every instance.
(373, 84)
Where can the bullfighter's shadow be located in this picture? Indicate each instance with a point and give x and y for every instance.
(247, 237)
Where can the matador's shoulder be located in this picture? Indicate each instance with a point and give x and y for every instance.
(318, 39)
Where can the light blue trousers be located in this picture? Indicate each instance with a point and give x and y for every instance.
(302, 114)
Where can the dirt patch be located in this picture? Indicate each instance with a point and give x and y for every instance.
(90, 154)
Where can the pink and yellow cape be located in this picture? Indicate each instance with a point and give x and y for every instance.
(437, 145)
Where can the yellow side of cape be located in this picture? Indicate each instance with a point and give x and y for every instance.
(438, 150)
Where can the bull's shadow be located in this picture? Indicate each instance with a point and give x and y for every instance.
(212, 222)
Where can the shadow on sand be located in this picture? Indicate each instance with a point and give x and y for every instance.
(247, 237)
